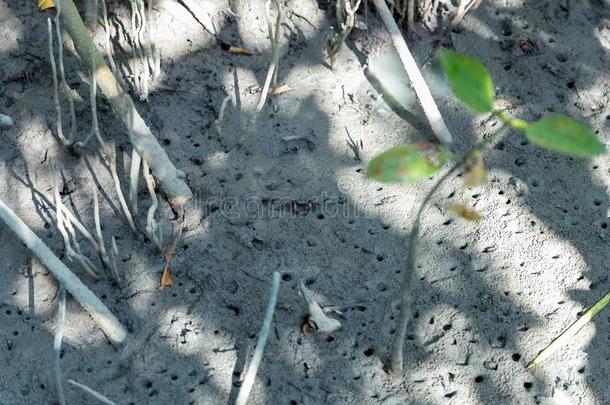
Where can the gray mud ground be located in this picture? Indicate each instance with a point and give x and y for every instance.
(488, 296)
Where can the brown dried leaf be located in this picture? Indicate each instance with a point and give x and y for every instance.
(236, 50)
(463, 211)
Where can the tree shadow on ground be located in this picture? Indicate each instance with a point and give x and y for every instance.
(225, 262)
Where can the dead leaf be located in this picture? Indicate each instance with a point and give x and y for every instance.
(305, 327)
(44, 4)
(166, 280)
(463, 211)
(475, 169)
(236, 50)
(284, 88)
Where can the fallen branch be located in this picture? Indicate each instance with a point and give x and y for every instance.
(113, 329)
(417, 80)
(170, 179)
(246, 386)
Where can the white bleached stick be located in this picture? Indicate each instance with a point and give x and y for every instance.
(244, 391)
(417, 80)
(111, 326)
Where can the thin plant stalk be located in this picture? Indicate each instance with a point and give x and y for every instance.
(134, 176)
(572, 330)
(246, 387)
(62, 74)
(91, 392)
(396, 348)
(100, 239)
(274, 38)
(152, 227)
(59, 335)
(60, 131)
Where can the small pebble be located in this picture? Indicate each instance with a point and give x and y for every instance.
(5, 121)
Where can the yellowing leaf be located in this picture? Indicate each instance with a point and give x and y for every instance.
(409, 163)
(236, 50)
(463, 211)
(44, 4)
(474, 169)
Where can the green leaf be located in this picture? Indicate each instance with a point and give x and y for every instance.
(409, 163)
(469, 80)
(563, 134)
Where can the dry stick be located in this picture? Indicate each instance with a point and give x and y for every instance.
(572, 330)
(113, 329)
(196, 8)
(274, 38)
(417, 80)
(59, 335)
(62, 75)
(91, 392)
(244, 391)
(396, 350)
(170, 179)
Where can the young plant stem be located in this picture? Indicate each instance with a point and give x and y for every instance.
(396, 349)
(415, 77)
(244, 392)
(572, 330)
(170, 179)
(113, 329)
